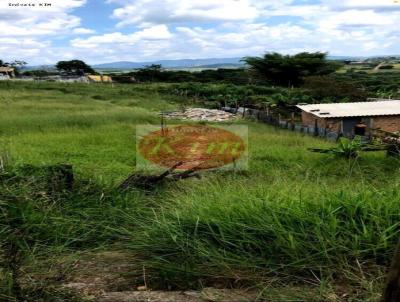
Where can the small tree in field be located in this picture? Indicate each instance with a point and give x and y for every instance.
(17, 65)
(74, 67)
(150, 73)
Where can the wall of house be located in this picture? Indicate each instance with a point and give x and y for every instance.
(390, 123)
(332, 124)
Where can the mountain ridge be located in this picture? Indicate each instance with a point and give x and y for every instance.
(182, 63)
(234, 62)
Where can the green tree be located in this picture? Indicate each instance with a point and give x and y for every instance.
(17, 65)
(386, 67)
(74, 67)
(287, 70)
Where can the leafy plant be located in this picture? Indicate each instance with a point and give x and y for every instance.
(346, 148)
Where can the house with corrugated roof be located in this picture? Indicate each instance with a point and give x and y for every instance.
(99, 78)
(7, 72)
(350, 119)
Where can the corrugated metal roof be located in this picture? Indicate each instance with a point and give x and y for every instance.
(6, 69)
(379, 108)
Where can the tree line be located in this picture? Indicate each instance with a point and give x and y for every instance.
(311, 72)
(272, 68)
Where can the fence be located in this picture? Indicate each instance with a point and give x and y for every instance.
(274, 119)
(4, 77)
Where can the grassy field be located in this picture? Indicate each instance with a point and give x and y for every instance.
(297, 226)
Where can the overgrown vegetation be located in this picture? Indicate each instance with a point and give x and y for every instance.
(295, 220)
(384, 85)
(155, 73)
(234, 95)
(274, 79)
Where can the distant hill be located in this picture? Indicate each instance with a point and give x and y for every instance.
(227, 66)
(194, 63)
(185, 63)
(346, 58)
(39, 67)
(212, 63)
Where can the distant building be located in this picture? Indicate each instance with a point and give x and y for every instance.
(7, 73)
(358, 63)
(67, 79)
(352, 119)
(99, 78)
(77, 79)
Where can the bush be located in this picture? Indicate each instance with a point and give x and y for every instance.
(336, 91)
(238, 95)
(386, 67)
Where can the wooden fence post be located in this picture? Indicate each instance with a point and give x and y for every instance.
(316, 128)
(292, 122)
(392, 289)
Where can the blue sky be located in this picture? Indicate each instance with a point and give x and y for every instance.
(100, 31)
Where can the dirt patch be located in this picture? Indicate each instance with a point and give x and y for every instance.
(95, 274)
(207, 294)
(201, 114)
(116, 276)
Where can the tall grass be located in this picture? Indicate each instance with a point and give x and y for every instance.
(241, 233)
(39, 226)
(294, 216)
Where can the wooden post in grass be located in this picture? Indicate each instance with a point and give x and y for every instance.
(292, 121)
(162, 124)
(392, 289)
(316, 128)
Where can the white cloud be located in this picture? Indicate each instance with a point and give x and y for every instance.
(26, 31)
(196, 42)
(158, 32)
(356, 18)
(39, 21)
(145, 12)
(377, 5)
(172, 29)
(22, 48)
(83, 31)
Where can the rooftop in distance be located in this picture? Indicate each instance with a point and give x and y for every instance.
(331, 110)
